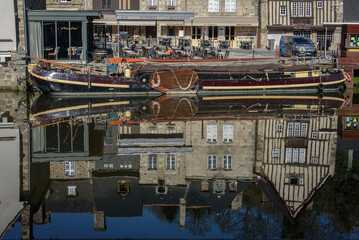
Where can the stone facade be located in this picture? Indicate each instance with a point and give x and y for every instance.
(241, 149)
(82, 170)
(66, 5)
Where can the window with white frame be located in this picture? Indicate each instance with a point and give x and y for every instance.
(321, 35)
(152, 162)
(171, 2)
(288, 155)
(152, 129)
(212, 133)
(304, 130)
(290, 130)
(227, 133)
(171, 161)
(66, 0)
(295, 155)
(212, 162)
(227, 162)
(230, 6)
(71, 191)
(294, 179)
(308, 9)
(294, 8)
(297, 129)
(171, 129)
(314, 135)
(319, 4)
(303, 33)
(314, 160)
(275, 153)
(152, 2)
(125, 163)
(69, 168)
(107, 161)
(279, 128)
(301, 9)
(283, 10)
(302, 152)
(213, 5)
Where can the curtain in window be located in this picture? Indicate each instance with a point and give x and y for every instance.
(36, 41)
(38, 139)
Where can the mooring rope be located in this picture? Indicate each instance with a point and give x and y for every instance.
(189, 103)
(179, 85)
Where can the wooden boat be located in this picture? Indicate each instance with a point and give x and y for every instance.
(132, 109)
(195, 78)
(74, 81)
(252, 78)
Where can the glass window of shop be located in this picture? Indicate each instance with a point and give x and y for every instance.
(63, 40)
(196, 32)
(229, 33)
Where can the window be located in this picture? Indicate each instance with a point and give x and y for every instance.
(295, 155)
(294, 179)
(303, 33)
(290, 130)
(314, 135)
(152, 129)
(125, 163)
(171, 161)
(275, 153)
(304, 130)
(308, 9)
(213, 5)
(302, 155)
(227, 133)
(65, 0)
(292, 154)
(279, 128)
(354, 40)
(314, 160)
(123, 187)
(319, 4)
(152, 2)
(297, 130)
(107, 161)
(229, 33)
(212, 162)
(71, 191)
(171, 129)
(288, 155)
(196, 33)
(283, 10)
(171, 2)
(109, 4)
(301, 9)
(103, 4)
(109, 136)
(294, 9)
(211, 133)
(321, 36)
(152, 162)
(69, 168)
(227, 162)
(230, 6)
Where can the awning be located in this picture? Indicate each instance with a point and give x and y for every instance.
(110, 19)
(225, 21)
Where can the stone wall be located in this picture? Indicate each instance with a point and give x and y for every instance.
(71, 5)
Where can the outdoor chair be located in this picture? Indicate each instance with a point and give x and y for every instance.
(54, 53)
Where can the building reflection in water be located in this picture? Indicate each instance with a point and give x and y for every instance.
(115, 156)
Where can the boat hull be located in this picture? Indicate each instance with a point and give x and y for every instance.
(75, 83)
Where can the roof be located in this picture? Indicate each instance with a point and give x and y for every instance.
(62, 15)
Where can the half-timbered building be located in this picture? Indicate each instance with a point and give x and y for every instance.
(296, 157)
(302, 18)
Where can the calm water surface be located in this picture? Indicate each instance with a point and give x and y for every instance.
(216, 167)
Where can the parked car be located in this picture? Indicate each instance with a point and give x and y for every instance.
(297, 46)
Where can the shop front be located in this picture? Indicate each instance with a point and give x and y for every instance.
(61, 35)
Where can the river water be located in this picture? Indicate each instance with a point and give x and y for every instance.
(179, 167)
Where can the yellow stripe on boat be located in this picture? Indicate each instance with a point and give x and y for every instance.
(80, 83)
(271, 86)
(270, 97)
(80, 107)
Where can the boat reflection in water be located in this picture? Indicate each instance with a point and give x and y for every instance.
(185, 159)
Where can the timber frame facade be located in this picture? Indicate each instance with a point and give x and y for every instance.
(302, 17)
(296, 156)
